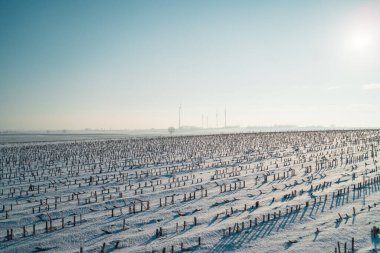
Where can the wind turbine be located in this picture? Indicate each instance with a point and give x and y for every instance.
(179, 116)
(225, 117)
(216, 118)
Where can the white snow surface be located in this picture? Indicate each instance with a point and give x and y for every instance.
(316, 167)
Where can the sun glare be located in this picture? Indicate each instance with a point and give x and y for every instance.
(361, 40)
(361, 31)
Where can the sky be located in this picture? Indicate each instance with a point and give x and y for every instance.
(131, 64)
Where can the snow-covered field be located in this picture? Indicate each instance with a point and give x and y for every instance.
(257, 192)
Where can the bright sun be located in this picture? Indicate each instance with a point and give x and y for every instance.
(361, 31)
(361, 39)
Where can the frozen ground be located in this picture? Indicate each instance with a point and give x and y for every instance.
(263, 192)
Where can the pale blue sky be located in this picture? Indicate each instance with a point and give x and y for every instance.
(129, 64)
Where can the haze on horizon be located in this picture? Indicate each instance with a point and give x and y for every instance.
(130, 64)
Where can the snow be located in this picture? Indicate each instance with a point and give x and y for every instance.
(77, 169)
